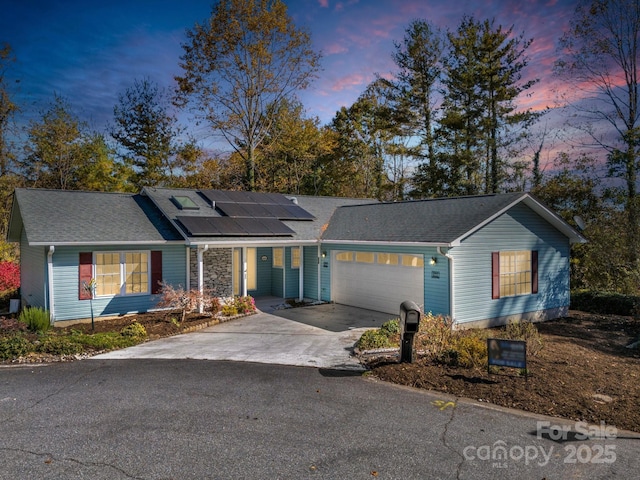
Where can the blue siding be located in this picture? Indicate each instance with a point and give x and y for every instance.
(277, 289)
(518, 229)
(264, 272)
(67, 305)
(292, 276)
(436, 277)
(310, 259)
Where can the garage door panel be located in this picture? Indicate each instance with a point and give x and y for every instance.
(376, 286)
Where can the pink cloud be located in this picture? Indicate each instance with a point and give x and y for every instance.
(349, 81)
(324, 3)
(335, 49)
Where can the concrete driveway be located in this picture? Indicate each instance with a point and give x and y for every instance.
(320, 336)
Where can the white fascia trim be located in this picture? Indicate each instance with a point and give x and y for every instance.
(385, 243)
(83, 244)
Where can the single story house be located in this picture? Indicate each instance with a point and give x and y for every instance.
(482, 260)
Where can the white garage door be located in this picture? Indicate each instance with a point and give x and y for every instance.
(376, 280)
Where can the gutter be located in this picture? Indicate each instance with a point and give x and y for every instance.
(452, 297)
(52, 249)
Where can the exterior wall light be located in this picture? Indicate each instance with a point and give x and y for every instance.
(434, 260)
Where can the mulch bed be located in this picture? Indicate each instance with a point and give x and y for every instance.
(584, 372)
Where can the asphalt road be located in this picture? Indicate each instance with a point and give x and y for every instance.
(201, 419)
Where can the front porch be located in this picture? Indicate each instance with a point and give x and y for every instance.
(282, 271)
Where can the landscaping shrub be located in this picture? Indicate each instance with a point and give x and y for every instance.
(176, 298)
(134, 330)
(9, 276)
(605, 303)
(245, 304)
(470, 350)
(59, 345)
(229, 310)
(104, 340)
(36, 319)
(526, 331)
(372, 339)
(14, 346)
(213, 305)
(435, 336)
(391, 327)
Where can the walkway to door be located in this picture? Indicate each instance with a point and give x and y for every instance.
(320, 336)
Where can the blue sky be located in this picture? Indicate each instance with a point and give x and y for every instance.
(88, 52)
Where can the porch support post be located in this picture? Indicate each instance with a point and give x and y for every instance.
(188, 269)
(201, 250)
(244, 271)
(301, 275)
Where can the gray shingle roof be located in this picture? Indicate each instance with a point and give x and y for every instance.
(443, 221)
(320, 207)
(54, 217)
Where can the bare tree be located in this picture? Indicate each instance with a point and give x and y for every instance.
(600, 60)
(239, 64)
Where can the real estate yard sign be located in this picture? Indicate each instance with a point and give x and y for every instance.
(507, 353)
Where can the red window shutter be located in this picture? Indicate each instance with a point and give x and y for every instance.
(495, 275)
(85, 274)
(156, 271)
(534, 271)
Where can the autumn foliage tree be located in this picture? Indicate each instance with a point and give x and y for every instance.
(245, 59)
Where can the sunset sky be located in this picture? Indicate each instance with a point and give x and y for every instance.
(88, 52)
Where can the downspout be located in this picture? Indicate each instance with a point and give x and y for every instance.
(319, 271)
(201, 251)
(452, 297)
(52, 249)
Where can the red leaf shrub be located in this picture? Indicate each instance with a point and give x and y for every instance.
(9, 276)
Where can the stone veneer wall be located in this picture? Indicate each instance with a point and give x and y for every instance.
(217, 274)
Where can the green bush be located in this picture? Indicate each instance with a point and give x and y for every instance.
(605, 302)
(37, 319)
(59, 345)
(244, 304)
(14, 346)
(372, 339)
(471, 351)
(229, 310)
(104, 340)
(391, 327)
(526, 331)
(134, 330)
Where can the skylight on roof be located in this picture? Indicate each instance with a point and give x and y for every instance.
(184, 202)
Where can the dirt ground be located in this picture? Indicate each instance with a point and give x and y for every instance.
(584, 372)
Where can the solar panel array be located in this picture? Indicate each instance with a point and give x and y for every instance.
(234, 227)
(256, 205)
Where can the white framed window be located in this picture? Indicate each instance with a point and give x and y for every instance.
(278, 257)
(122, 273)
(295, 257)
(515, 273)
